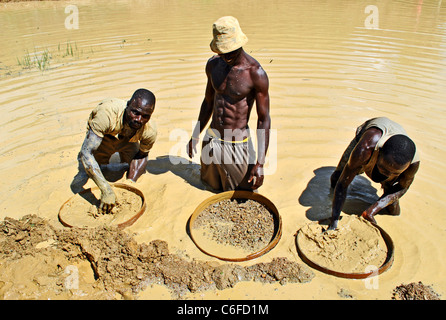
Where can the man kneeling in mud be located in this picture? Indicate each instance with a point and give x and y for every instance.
(234, 81)
(119, 126)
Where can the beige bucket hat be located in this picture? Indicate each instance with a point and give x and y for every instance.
(228, 35)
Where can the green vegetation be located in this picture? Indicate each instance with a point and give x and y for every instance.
(41, 59)
(69, 51)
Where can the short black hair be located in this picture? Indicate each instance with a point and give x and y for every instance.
(144, 94)
(400, 148)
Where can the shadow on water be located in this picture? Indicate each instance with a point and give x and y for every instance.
(318, 195)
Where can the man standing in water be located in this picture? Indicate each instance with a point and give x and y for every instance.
(381, 149)
(119, 126)
(234, 81)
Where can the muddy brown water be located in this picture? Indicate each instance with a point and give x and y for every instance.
(329, 71)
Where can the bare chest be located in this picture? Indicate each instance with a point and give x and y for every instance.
(234, 83)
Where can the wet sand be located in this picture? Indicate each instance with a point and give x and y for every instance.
(328, 73)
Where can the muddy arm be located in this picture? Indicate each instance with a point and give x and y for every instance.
(383, 202)
(360, 156)
(90, 145)
(392, 193)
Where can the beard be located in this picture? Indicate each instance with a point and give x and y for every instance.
(134, 124)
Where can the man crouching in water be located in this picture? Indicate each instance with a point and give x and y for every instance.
(381, 149)
(119, 126)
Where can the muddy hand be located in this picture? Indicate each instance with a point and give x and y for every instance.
(108, 202)
(368, 216)
(333, 225)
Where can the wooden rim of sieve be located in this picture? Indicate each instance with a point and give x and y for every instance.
(385, 266)
(239, 195)
(121, 225)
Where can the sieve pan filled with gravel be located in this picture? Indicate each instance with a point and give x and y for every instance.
(235, 226)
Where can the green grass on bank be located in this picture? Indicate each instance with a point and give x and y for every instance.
(42, 59)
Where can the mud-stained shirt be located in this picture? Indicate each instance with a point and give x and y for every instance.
(108, 119)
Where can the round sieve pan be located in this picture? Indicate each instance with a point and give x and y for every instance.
(385, 266)
(121, 225)
(238, 195)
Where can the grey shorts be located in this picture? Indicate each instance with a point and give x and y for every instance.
(225, 165)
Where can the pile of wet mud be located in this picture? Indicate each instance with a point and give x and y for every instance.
(37, 261)
(415, 291)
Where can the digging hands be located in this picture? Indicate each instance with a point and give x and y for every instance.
(333, 225)
(368, 216)
(108, 201)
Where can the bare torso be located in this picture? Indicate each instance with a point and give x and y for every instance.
(234, 95)
(234, 81)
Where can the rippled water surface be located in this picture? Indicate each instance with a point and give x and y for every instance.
(328, 69)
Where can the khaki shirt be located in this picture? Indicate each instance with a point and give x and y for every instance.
(107, 119)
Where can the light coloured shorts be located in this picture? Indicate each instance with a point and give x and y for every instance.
(225, 165)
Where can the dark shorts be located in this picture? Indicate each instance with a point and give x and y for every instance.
(110, 145)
